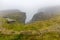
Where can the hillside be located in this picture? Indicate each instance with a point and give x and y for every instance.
(46, 13)
(14, 14)
(39, 30)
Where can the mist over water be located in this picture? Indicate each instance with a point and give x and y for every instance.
(29, 6)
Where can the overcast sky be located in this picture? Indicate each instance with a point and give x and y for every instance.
(28, 6)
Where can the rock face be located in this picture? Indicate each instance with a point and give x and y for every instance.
(46, 13)
(14, 14)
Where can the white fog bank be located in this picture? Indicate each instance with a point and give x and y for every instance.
(28, 6)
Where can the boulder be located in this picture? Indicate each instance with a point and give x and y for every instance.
(8, 20)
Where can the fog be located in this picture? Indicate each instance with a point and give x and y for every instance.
(28, 6)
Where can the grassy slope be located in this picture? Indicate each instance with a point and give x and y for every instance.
(40, 30)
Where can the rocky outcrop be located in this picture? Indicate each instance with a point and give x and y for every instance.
(14, 14)
(46, 13)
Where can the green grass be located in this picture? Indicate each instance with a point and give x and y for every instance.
(31, 31)
(50, 36)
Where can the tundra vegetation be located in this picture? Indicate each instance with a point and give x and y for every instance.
(38, 30)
